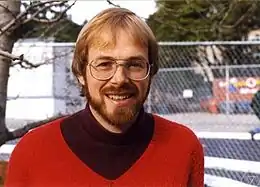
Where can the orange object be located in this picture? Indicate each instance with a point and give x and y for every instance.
(213, 108)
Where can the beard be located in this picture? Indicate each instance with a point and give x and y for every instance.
(121, 115)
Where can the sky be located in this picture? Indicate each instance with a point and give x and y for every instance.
(86, 9)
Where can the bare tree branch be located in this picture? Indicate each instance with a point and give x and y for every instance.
(21, 18)
(33, 16)
(31, 13)
(26, 64)
(111, 3)
(13, 98)
(40, 3)
(55, 19)
(8, 10)
(20, 132)
(12, 57)
(20, 60)
(18, 18)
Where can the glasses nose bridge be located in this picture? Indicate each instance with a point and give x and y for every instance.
(120, 75)
(117, 63)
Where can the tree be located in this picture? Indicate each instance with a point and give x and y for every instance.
(9, 10)
(64, 29)
(15, 24)
(204, 20)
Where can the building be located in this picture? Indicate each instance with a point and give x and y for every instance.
(47, 90)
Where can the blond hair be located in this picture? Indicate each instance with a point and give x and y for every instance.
(109, 21)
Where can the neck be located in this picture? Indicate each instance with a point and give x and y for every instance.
(108, 126)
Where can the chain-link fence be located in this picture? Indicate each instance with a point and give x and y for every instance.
(207, 86)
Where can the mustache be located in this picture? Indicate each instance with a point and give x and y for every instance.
(122, 89)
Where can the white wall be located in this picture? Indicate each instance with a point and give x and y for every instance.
(34, 109)
(45, 91)
(30, 91)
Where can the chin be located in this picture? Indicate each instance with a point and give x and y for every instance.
(121, 115)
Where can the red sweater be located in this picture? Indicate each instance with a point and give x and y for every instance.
(173, 158)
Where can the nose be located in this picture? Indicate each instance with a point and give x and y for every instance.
(120, 76)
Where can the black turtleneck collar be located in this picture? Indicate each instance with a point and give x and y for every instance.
(99, 133)
(98, 148)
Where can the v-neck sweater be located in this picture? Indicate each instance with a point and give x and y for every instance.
(77, 151)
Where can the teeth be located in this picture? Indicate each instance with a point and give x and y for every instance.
(118, 97)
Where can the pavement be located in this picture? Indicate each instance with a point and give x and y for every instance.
(200, 122)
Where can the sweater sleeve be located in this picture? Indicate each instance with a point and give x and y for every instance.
(197, 166)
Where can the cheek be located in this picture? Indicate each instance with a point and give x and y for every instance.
(94, 89)
(143, 88)
(93, 86)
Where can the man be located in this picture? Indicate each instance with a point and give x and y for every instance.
(113, 141)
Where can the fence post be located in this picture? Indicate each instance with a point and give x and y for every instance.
(227, 89)
(149, 100)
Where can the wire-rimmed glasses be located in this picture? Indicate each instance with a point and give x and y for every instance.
(105, 69)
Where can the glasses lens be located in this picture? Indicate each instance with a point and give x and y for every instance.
(137, 70)
(105, 69)
(102, 69)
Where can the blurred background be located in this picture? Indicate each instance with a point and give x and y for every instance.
(209, 74)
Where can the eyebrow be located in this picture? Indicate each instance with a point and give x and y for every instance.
(136, 57)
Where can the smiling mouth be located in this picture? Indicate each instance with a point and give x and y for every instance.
(115, 97)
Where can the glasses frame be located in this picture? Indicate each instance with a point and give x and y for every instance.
(117, 65)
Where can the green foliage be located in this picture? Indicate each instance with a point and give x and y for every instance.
(193, 20)
(204, 20)
(63, 31)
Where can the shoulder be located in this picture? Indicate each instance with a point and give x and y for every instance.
(174, 128)
(47, 128)
(176, 132)
(31, 148)
(39, 134)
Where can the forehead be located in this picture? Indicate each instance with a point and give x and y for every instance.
(117, 45)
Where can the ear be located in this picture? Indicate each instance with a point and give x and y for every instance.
(81, 80)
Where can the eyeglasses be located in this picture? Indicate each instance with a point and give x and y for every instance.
(104, 69)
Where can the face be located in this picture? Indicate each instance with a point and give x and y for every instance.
(119, 99)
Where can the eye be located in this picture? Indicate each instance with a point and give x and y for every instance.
(103, 64)
(136, 64)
